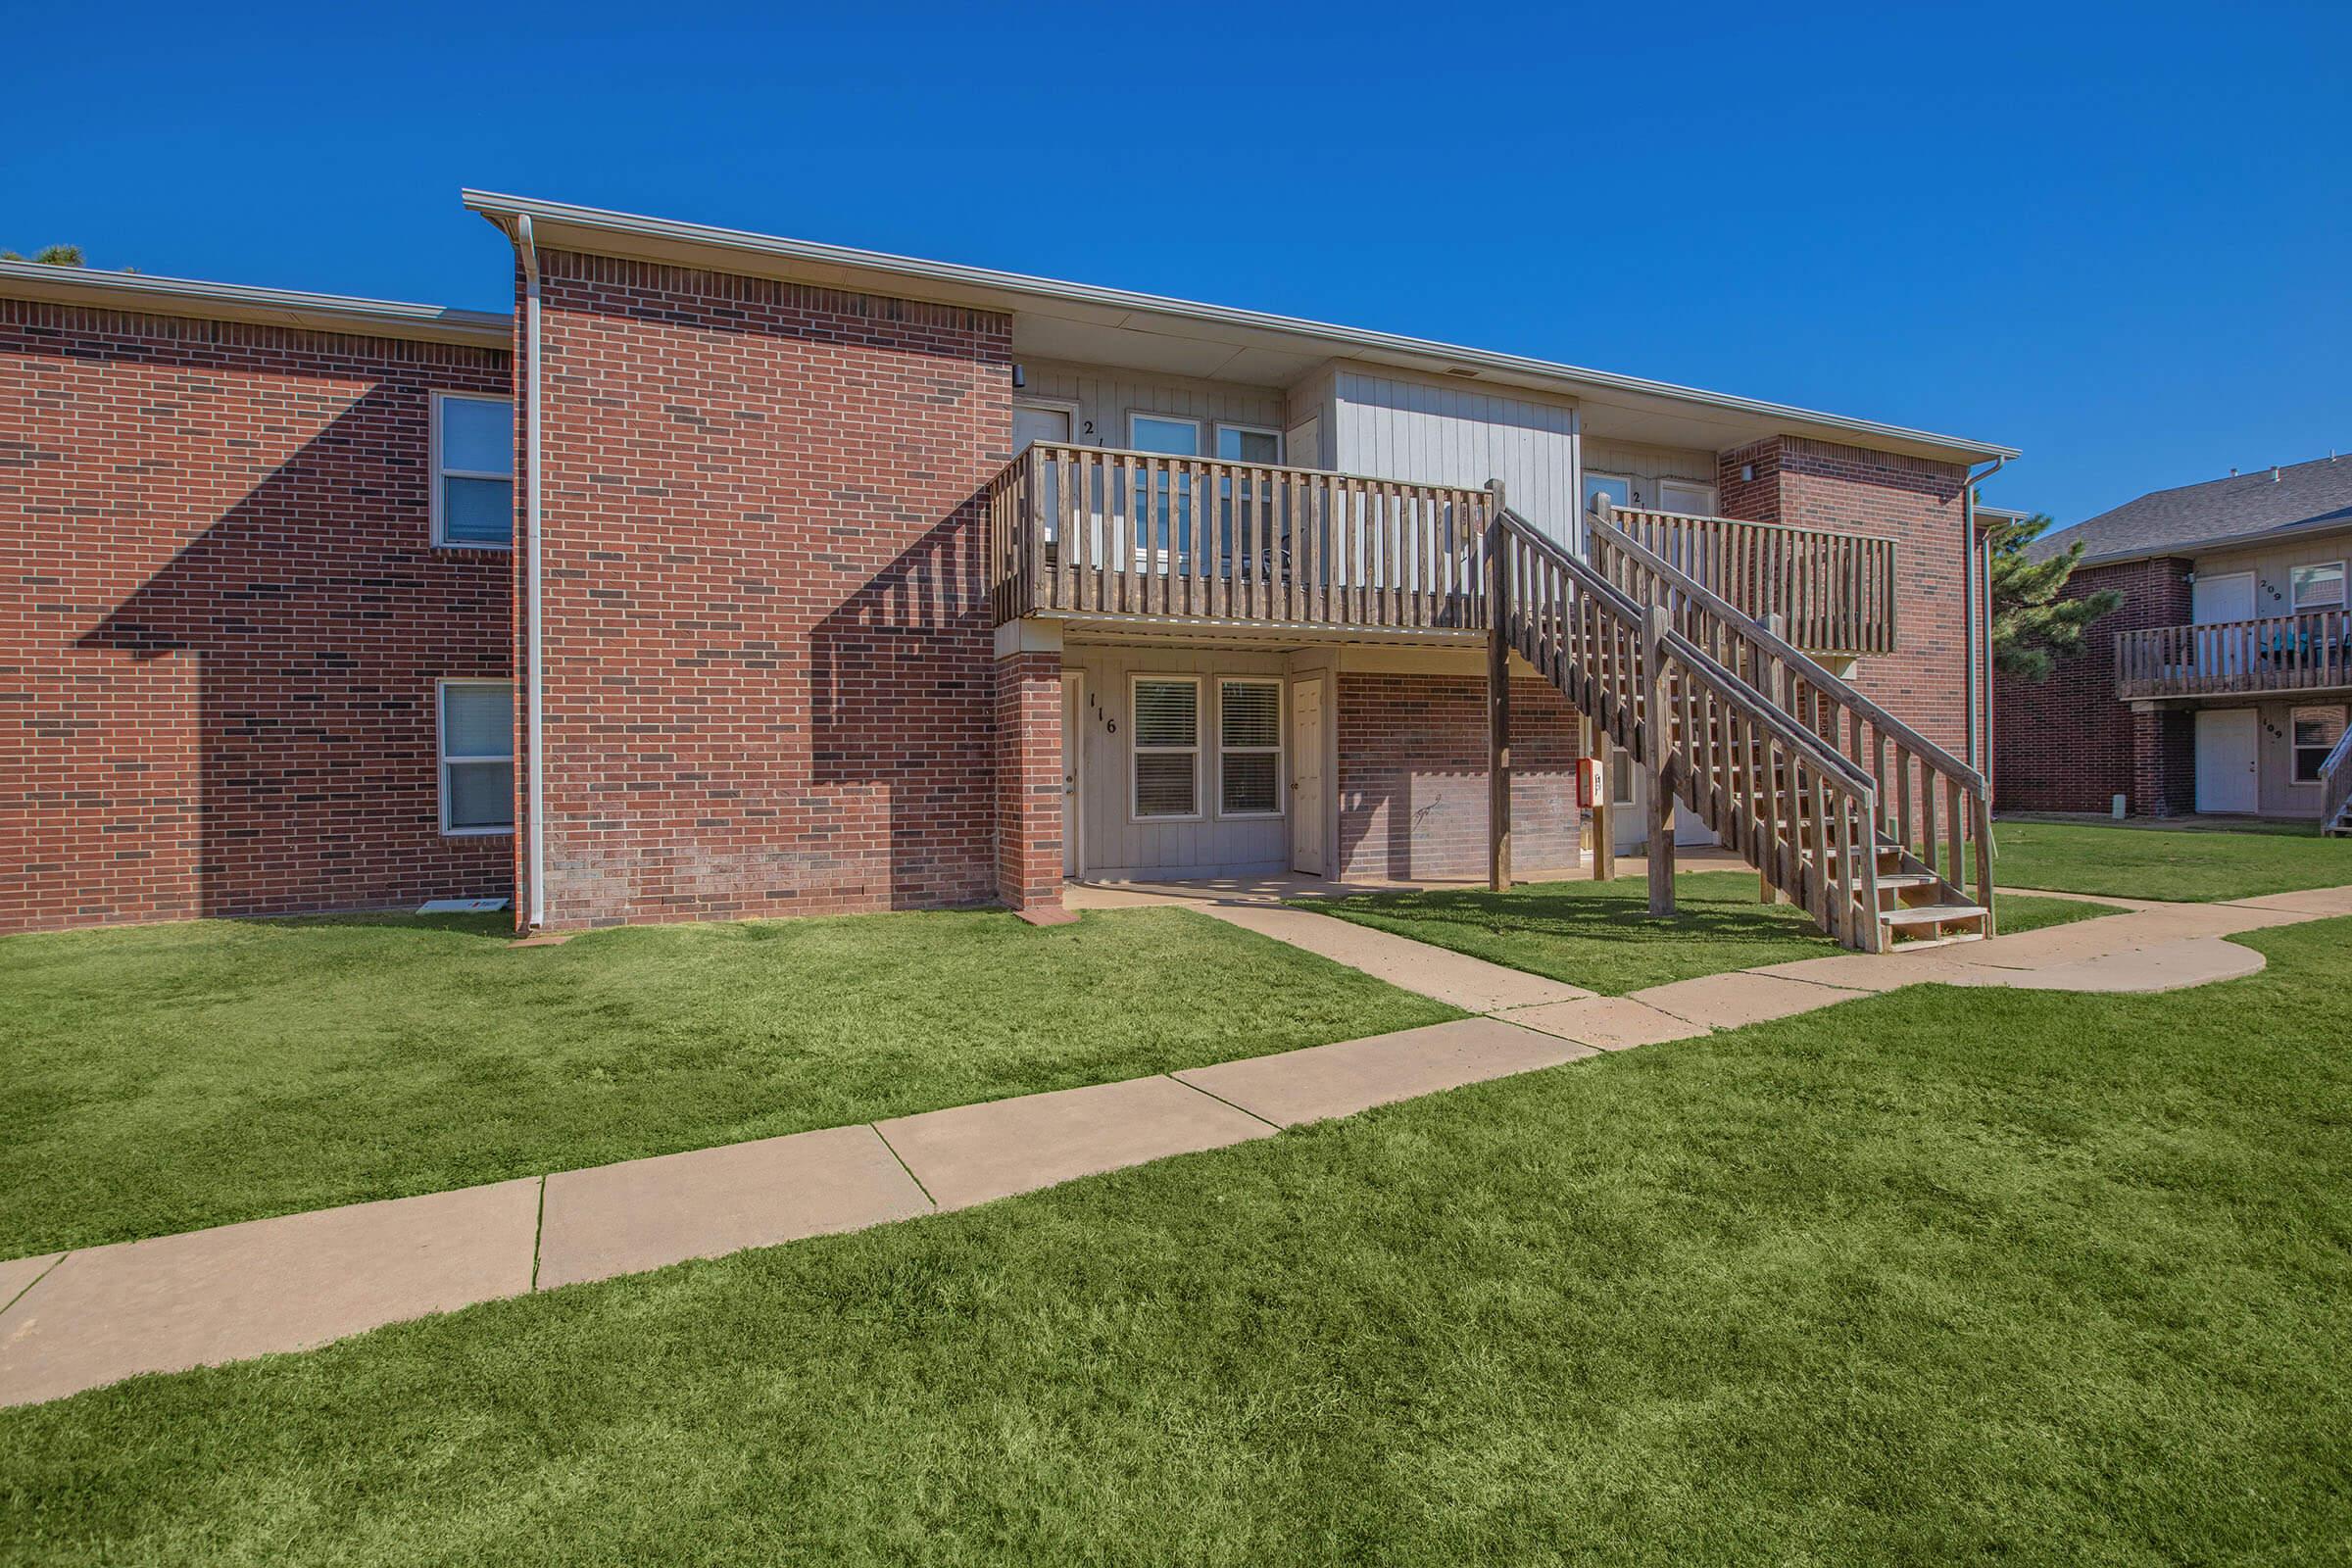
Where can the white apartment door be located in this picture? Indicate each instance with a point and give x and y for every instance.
(1073, 768)
(1031, 422)
(2227, 596)
(2225, 771)
(1307, 777)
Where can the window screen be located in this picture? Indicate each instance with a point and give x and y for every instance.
(1167, 747)
(1250, 746)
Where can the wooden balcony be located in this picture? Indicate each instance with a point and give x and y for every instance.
(1097, 533)
(1091, 531)
(1834, 592)
(2285, 654)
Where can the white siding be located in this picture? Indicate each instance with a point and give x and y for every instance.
(1645, 466)
(1105, 396)
(1116, 843)
(1399, 428)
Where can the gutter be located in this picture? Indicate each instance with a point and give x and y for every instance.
(1979, 642)
(526, 250)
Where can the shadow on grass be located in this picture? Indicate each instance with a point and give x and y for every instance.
(1603, 912)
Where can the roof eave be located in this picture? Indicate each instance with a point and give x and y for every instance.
(954, 283)
(237, 301)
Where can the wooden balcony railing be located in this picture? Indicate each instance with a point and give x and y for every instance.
(1090, 530)
(2273, 653)
(1834, 592)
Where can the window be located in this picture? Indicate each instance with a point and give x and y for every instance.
(2315, 732)
(474, 472)
(1167, 735)
(1248, 748)
(1163, 513)
(2318, 586)
(1616, 486)
(1157, 432)
(477, 756)
(1244, 443)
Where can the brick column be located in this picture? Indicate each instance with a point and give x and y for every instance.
(1029, 778)
(2163, 763)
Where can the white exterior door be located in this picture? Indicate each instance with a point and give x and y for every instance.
(1033, 423)
(1073, 768)
(2227, 597)
(2226, 775)
(1307, 777)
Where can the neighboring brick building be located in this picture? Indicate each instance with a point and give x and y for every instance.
(2221, 680)
(223, 618)
(796, 646)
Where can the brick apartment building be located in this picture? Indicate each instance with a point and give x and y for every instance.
(2220, 683)
(736, 577)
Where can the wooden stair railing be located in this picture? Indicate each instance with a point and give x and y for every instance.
(2335, 788)
(1799, 812)
(1933, 809)
(1831, 588)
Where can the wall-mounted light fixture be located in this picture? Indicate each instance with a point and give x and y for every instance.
(1747, 471)
(1018, 379)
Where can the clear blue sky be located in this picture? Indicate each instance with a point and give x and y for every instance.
(2119, 238)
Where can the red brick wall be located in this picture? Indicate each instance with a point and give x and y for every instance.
(1029, 780)
(769, 682)
(1915, 501)
(222, 619)
(2068, 744)
(1413, 776)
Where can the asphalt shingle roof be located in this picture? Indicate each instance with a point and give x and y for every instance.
(2244, 506)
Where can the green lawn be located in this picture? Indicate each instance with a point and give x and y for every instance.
(1600, 935)
(2188, 865)
(1944, 1275)
(167, 1077)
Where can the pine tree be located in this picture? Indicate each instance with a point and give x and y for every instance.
(49, 255)
(2032, 625)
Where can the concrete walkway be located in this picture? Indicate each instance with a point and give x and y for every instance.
(78, 1320)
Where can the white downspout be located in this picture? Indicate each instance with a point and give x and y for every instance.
(1976, 642)
(527, 249)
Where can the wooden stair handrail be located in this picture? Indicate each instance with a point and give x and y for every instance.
(1783, 724)
(1782, 647)
(2336, 780)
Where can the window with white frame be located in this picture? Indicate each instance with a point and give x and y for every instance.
(1248, 443)
(474, 472)
(477, 756)
(1163, 503)
(2317, 586)
(1248, 747)
(1618, 488)
(2315, 732)
(1164, 729)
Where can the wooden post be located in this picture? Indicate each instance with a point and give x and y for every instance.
(1605, 815)
(1774, 694)
(1498, 700)
(1657, 731)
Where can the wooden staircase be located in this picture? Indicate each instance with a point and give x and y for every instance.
(2335, 789)
(1842, 806)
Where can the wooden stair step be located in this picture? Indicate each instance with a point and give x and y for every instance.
(1908, 879)
(1931, 913)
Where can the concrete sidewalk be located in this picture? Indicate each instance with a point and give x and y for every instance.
(78, 1320)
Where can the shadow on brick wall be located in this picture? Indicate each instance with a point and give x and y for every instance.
(317, 618)
(902, 715)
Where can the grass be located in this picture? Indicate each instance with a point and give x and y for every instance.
(1600, 935)
(2193, 865)
(167, 1077)
(1931, 1277)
